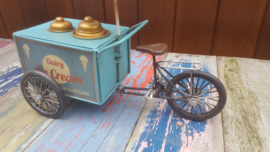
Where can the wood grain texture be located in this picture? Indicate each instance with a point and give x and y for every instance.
(157, 128)
(56, 8)
(160, 28)
(93, 8)
(263, 45)
(8, 55)
(128, 15)
(238, 27)
(194, 26)
(246, 115)
(3, 31)
(34, 11)
(12, 15)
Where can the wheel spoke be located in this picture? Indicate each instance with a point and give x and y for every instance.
(42, 106)
(40, 86)
(52, 101)
(183, 86)
(30, 91)
(197, 82)
(205, 85)
(191, 109)
(32, 87)
(207, 91)
(46, 90)
(208, 104)
(209, 97)
(202, 108)
(50, 95)
(187, 108)
(51, 105)
(183, 106)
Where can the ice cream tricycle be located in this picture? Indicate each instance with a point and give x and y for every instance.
(90, 63)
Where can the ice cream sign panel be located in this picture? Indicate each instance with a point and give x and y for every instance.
(72, 69)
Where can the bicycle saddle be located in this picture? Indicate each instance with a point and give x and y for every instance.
(154, 49)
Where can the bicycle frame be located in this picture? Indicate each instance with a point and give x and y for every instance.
(157, 91)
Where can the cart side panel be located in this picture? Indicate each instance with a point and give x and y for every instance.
(72, 69)
(108, 69)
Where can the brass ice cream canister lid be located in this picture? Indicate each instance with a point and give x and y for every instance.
(90, 29)
(61, 25)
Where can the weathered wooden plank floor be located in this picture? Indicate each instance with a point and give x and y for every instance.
(130, 123)
(246, 117)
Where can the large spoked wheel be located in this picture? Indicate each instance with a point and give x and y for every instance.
(208, 96)
(43, 94)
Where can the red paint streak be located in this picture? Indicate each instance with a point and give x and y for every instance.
(132, 53)
(128, 80)
(123, 101)
(61, 144)
(131, 101)
(95, 122)
(140, 55)
(111, 102)
(68, 145)
(110, 111)
(80, 119)
(133, 62)
(104, 110)
(72, 129)
(39, 147)
(145, 67)
(57, 141)
(118, 102)
(91, 118)
(108, 125)
(135, 104)
(82, 141)
(61, 135)
(79, 133)
(104, 124)
(126, 118)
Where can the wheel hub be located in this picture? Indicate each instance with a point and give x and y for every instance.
(39, 98)
(193, 101)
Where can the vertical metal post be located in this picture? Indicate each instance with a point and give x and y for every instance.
(117, 17)
(155, 71)
(191, 83)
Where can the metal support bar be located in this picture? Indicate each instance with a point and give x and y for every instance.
(180, 66)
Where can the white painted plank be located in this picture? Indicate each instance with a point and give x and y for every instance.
(8, 55)
(246, 117)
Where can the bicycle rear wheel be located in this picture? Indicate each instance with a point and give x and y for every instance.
(208, 96)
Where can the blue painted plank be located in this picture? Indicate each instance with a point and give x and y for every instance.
(85, 127)
(10, 77)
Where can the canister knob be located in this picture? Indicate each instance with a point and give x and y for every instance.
(61, 25)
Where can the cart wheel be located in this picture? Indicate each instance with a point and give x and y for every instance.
(43, 94)
(208, 95)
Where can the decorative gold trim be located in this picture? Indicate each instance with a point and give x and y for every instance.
(91, 36)
(61, 31)
(91, 54)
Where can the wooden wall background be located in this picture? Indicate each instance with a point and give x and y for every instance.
(238, 28)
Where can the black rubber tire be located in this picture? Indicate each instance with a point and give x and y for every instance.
(215, 81)
(59, 92)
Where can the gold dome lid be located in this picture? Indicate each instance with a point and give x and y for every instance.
(90, 29)
(60, 25)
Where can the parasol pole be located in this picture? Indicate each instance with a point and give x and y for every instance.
(117, 17)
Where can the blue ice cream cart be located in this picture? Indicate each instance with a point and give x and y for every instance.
(90, 63)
